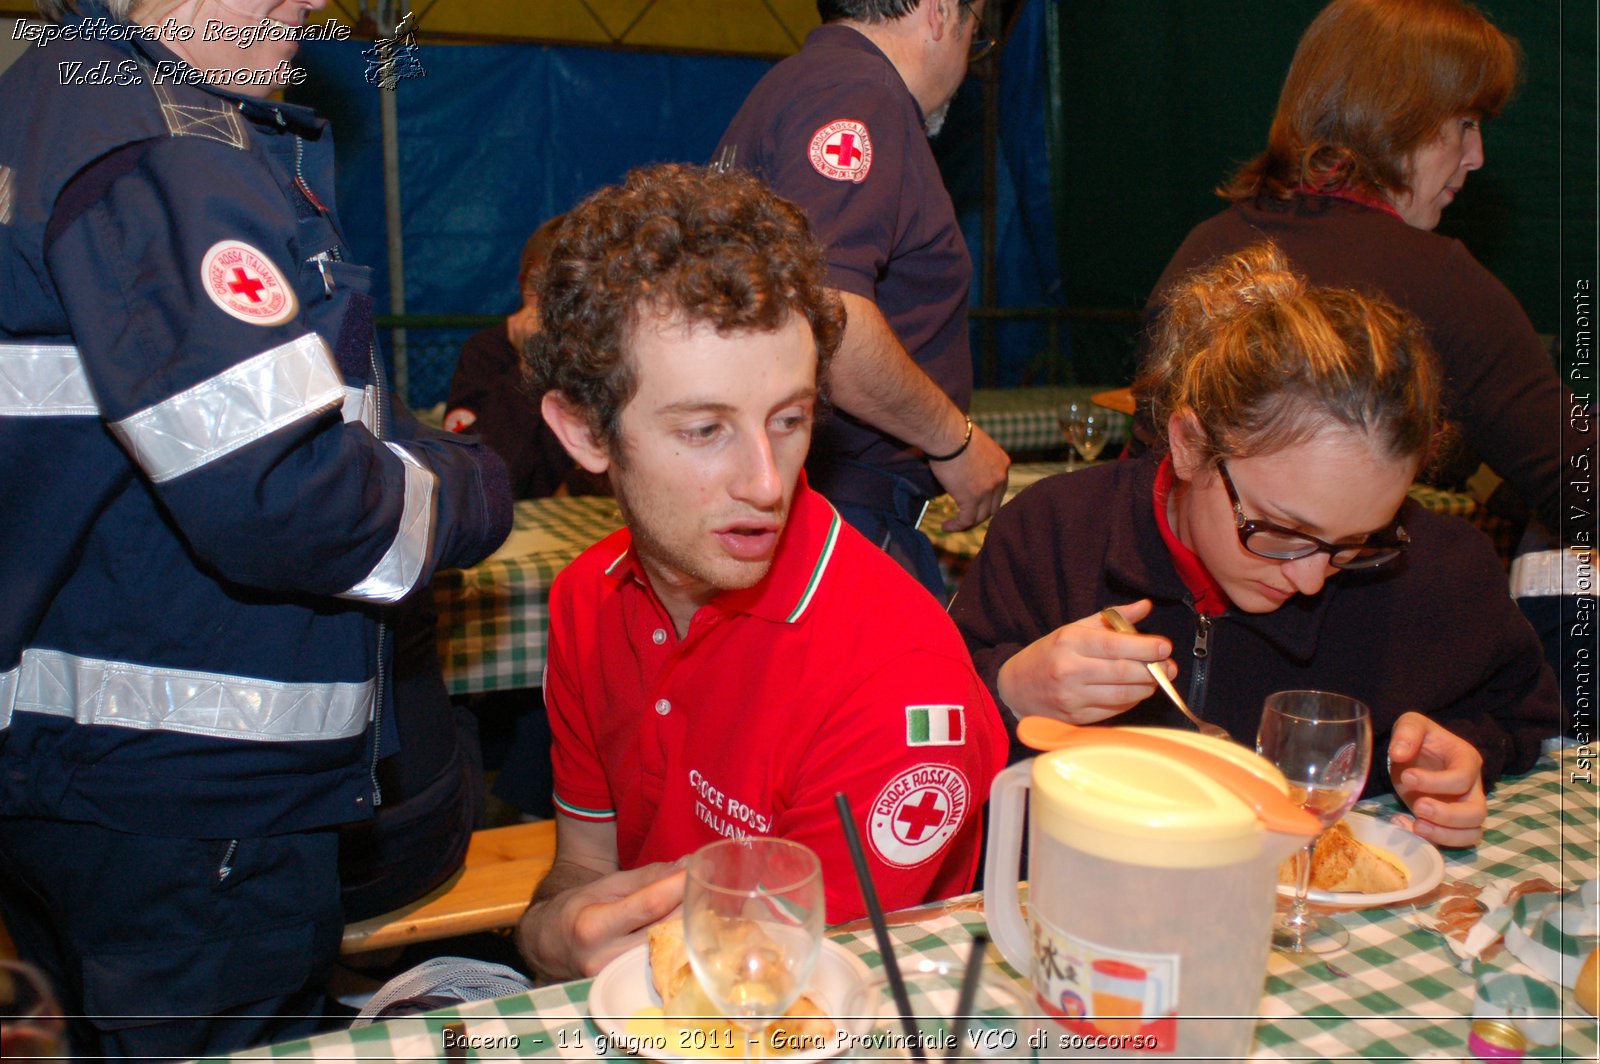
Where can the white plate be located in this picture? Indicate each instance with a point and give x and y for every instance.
(623, 988)
(1424, 867)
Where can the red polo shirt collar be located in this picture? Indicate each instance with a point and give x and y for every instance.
(1208, 594)
(798, 565)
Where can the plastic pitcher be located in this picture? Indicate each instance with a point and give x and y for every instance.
(1153, 871)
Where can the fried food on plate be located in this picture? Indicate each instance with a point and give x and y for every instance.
(1342, 863)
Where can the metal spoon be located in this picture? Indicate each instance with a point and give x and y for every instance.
(1118, 623)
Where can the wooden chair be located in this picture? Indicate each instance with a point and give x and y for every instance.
(490, 892)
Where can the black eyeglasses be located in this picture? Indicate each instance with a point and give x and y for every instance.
(980, 46)
(1267, 540)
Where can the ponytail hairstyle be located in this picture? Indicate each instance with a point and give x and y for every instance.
(1263, 361)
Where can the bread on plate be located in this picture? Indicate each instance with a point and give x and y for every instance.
(685, 1003)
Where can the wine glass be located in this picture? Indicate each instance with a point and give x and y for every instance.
(1085, 428)
(1322, 743)
(752, 919)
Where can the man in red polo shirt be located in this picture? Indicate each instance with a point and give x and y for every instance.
(738, 654)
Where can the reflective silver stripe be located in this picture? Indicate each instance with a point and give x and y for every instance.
(1553, 572)
(118, 693)
(8, 695)
(235, 408)
(397, 571)
(361, 404)
(43, 380)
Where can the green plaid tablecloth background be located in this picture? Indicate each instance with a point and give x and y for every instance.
(494, 618)
(1398, 993)
(1024, 419)
(1395, 994)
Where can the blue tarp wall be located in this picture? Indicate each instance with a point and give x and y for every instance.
(494, 139)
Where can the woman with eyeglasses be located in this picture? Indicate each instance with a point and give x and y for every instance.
(1266, 542)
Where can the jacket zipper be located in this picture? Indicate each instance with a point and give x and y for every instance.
(322, 258)
(380, 421)
(225, 867)
(1202, 663)
(300, 181)
(380, 429)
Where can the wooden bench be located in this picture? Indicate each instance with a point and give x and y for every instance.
(490, 892)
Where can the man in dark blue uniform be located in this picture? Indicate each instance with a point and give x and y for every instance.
(842, 129)
(209, 501)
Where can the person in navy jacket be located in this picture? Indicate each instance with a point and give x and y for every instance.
(842, 129)
(210, 499)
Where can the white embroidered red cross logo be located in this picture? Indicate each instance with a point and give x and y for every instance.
(842, 151)
(246, 285)
(917, 813)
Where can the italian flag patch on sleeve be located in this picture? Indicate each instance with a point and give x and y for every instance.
(936, 726)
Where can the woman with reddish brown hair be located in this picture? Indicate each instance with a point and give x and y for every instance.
(1379, 123)
(1377, 88)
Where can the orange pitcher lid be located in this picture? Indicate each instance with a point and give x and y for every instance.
(1158, 796)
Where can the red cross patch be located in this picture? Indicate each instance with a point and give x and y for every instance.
(917, 813)
(842, 151)
(245, 284)
(459, 419)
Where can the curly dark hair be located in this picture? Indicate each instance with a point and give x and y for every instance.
(716, 248)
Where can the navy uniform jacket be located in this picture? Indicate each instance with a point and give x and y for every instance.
(208, 495)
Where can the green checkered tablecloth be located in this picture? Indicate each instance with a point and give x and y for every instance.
(1024, 419)
(1396, 994)
(495, 616)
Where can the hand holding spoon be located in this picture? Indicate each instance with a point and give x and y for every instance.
(1118, 623)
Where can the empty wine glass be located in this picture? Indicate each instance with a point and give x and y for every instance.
(1322, 743)
(752, 916)
(1084, 426)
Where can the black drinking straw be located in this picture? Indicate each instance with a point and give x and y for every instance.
(969, 984)
(869, 894)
